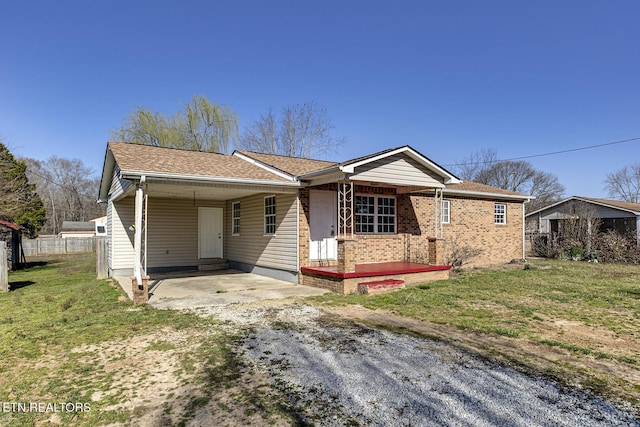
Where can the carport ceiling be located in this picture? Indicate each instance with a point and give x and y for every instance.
(209, 192)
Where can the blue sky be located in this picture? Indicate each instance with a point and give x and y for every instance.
(447, 78)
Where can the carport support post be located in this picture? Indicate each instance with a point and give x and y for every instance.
(139, 282)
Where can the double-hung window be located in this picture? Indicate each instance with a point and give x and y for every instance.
(375, 214)
(446, 211)
(270, 215)
(235, 218)
(500, 213)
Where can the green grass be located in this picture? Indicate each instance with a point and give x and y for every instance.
(514, 302)
(529, 304)
(58, 306)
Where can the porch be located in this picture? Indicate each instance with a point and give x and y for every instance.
(370, 274)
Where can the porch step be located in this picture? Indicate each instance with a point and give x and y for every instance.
(380, 286)
(213, 264)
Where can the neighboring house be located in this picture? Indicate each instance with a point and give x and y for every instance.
(306, 221)
(623, 217)
(12, 235)
(100, 226)
(77, 229)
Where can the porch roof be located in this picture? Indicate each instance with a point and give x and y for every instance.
(349, 166)
(178, 168)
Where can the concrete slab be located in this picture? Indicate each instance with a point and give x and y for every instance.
(201, 289)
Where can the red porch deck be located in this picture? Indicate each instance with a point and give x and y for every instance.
(376, 269)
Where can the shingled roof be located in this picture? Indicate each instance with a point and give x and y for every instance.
(476, 187)
(615, 203)
(294, 166)
(149, 159)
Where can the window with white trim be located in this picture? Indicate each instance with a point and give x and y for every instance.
(375, 214)
(446, 212)
(270, 215)
(235, 218)
(500, 213)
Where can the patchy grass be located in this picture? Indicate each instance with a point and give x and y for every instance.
(67, 337)
(588, 310)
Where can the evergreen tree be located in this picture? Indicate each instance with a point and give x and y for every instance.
(19, 202)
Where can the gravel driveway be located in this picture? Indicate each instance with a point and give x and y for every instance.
(335, 372)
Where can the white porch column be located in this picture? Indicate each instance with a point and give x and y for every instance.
(140, 292)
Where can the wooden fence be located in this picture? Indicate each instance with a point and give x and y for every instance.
(46, 246)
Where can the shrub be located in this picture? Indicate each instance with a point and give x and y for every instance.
(576, 252)
(614, 247)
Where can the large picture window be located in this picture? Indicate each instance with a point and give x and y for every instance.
(270, 215)
(375, 214)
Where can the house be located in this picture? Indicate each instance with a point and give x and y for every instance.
(77, 229)
(393, 215)
(100, 226)
(623, 217)
(12, 235)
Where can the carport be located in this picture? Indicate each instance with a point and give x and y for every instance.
(190, 289)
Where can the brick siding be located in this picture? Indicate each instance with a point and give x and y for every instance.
(471, 225)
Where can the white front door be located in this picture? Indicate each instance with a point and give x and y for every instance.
(210, 236)
(323, 214)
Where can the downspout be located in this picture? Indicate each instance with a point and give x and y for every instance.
(524, 248)
(137, 240)
(435, 211)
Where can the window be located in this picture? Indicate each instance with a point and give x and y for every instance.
(101, 229)
(375, 214)
(500, 213)
(270, 215)
(235, 218)
(365, 210)
(386, 215)
(446, 211)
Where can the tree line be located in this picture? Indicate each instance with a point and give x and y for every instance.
(40, 195)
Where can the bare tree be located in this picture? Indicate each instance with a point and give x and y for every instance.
(470, 167)
(201, 126)
(520, 176)
(300, 131)
(579, 225)
(67, 188)
(624, 184)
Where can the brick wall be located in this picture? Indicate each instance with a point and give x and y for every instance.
(471, 225)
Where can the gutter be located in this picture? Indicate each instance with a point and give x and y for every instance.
(159, 176)
(491, 195)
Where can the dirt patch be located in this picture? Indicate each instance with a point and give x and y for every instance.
(527, 354)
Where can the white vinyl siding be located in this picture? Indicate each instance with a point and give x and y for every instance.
(397, 170)
(121, 241)
(118, 186)
(500, 213)
(172, 232)
(252, 247)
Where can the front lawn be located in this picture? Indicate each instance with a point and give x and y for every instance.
(589, 311)
(76, 344)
